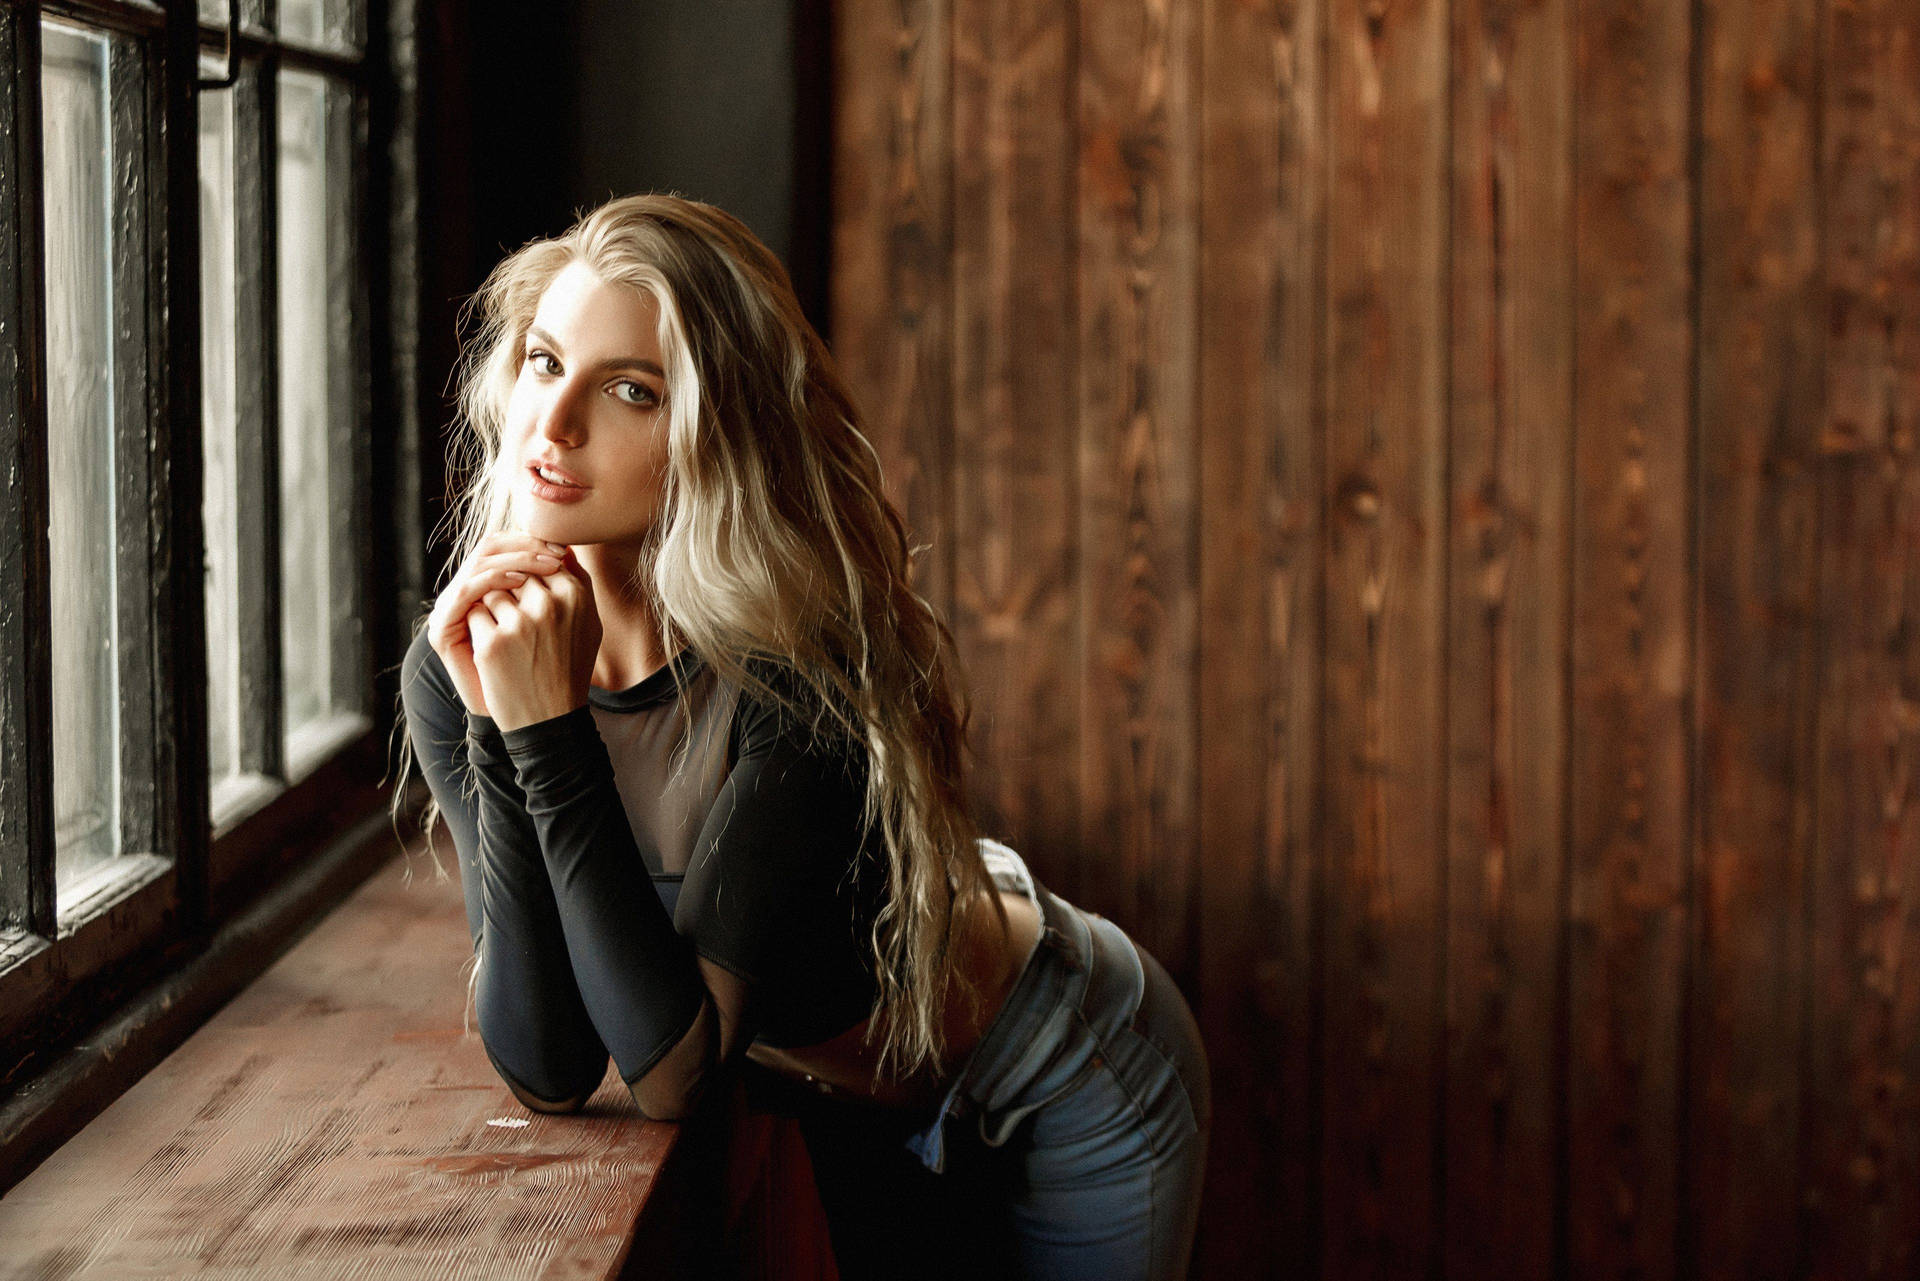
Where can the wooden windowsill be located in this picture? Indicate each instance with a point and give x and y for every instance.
(335, 1119)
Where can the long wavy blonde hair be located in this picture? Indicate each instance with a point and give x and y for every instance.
(775, 545)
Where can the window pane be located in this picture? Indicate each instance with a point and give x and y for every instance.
(213, 13)
(328, 23)
(320, 579)
(219, 390)
(86, 773)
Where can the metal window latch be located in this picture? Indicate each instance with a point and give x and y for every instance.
(225, 79)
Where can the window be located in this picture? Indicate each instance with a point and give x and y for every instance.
(193, 617)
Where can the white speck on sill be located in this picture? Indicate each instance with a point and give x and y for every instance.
(510, 1122)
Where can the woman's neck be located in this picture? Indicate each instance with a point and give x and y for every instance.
(630, 646)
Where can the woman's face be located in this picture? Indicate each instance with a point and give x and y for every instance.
(590, 401)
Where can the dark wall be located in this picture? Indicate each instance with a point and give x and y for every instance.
(722, 102)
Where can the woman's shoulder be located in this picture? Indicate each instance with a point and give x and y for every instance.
(794, 708)
(424, 682)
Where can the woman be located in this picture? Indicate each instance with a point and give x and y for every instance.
(700, 746)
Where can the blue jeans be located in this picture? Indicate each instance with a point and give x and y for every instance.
(1071, 1143)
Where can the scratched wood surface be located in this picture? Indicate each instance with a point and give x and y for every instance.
(334, 1120)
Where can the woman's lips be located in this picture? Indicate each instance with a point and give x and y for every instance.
(564, 476)
(546, 489)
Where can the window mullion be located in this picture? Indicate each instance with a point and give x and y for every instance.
(257, 455)
(348, 417)
(26, 641)
(138, 491)
(178, 548)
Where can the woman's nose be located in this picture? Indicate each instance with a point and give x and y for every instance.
(559, 415)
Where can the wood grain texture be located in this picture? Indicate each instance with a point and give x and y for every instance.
(1138, 275)
(1632, 638)
(892, 246)
(335, 1120)
(1511, 511)
(1863, 1112)
(1483, 634)
(1015, 439)
(1758, 639)
(1386, 675)
(1263, 203)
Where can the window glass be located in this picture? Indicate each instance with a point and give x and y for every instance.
(329, 24)
(79, 309)
(219, 388)
(213, 13)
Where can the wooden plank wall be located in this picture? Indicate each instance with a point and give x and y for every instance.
(1427, 495)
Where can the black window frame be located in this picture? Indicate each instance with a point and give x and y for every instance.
(293, 845)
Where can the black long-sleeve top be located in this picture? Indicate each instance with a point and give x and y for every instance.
(602, 849)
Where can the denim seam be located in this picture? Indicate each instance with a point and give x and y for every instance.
(1153, 1043)
(1105, 1056)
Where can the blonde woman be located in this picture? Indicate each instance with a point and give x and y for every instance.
(701, 749)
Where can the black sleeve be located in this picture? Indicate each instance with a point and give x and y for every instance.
(638, 978)
(535, 1028)
(782, 884)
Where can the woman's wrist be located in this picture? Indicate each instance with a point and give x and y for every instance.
(547, 730)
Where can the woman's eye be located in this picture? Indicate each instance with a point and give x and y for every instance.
(535, 357)
(642, 395)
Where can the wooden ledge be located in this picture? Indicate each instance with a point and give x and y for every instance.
(334, 1120)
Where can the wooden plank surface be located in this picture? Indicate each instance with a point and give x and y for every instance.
(1632, 640)
(1511, 505)
(1138, 237)
(1862, 1174)
(1016, 605)
(891, 290)
(334, 1120)
(1263, 211)
(1522, 538)
(1385, 740)
(1759, 424)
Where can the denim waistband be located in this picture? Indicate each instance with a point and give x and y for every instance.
(1082, 980)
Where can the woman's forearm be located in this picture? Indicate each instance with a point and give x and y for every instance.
(537, 1030)
(636, 975)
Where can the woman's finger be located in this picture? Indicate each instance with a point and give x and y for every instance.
(511, 540)
(467, 591)
(495, 605)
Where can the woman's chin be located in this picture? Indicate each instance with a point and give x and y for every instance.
(542, 521)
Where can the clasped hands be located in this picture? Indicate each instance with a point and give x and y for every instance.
(517, 630)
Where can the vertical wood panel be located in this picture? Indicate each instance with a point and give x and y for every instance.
(1759, 403)
(1138, 271)
(1478, 572)
(1511, 499)
(1863, 1113)
(891, 297)
(1261, 480)
(1631, 642)
(1016, 603)
(1385, 659)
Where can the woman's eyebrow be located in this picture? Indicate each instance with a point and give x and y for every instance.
(619, 362)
